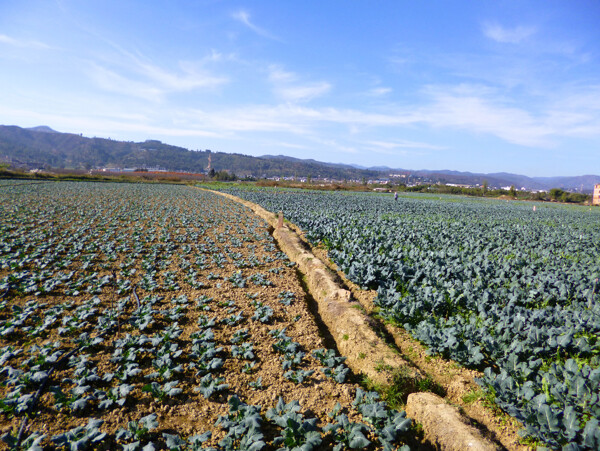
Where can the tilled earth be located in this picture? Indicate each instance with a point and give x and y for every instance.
(150, 308)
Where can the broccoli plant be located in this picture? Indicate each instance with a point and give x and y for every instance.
(297, 432)
(237, 280)
(31, 443)
(240, 336)
(256, 385)
(233, 319)
(160, 392)
(205, 322)
(388, 425)
(286, 297)
(243, 351)
(116, 395)
(81, 437)
(210, 385)
(249, 367)
(202, 303)
(243, 426)
(262, 312)
(298, 376)
(138, 431)
(337, 373)
(345, 433)
(334, 368)
(260, 279)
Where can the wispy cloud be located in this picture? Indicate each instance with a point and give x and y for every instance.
(402, 144)
(478, 110)
(191, 77)
(288, 87)
(543, 125)
(105, 125)
(243, 16)
(295, 119)
(472, 109)
(137, 77)
(253, 118)
(278, 75)
(505, 35)
(303, 93)
(334, 145)
(4, 39)
(114, 82)
(378, 92)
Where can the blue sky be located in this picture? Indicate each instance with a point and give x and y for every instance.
(481, 86)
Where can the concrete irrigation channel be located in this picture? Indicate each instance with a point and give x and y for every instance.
(375, 350)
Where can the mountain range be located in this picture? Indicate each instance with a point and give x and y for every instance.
(46, 148)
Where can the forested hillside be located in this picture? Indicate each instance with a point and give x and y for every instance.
(46, 148)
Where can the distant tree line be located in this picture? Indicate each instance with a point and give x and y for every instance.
(555, 194)
(222, 176)
(559, 195)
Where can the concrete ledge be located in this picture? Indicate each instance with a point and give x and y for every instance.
(443, 424)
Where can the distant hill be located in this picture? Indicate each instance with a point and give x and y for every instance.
(42, 128)
(504, 179)
(44, 147)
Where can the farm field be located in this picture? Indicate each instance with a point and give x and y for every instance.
(497, 286)
(137, 316)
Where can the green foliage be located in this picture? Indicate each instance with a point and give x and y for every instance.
(262, 312)
(345, 433)
(497, 286)
(297, 432)
(243, 426)
(558, 194)
(388, 425)
(298, 376)
(209, 385)
(160, 392)
(80, 437)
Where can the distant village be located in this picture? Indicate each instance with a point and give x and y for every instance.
(406, 179)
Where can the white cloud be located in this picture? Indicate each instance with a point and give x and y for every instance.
(190, 79)
(244, 17)
(332, 144)
(378, 92)
(103, 125)
(403, 144)
(286, 86)
(478, 111)
(303, 93)
(136, 77)
(8, 40)
(294, 119)
(22, 43)
(571, 112)
(217, 57)
(279, 75)
(111, 81)
(507, 35)
(254, 118)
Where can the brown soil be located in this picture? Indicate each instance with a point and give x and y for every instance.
(188, 413)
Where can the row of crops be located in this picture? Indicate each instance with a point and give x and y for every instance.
(163, 317)
(500, 287)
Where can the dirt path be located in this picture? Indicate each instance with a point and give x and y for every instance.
(383, 352)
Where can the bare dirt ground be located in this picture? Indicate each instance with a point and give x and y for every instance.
(216, 294)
